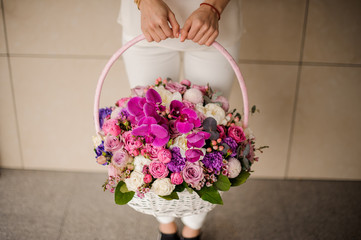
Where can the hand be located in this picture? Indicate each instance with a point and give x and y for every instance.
(155, 15)
(201, 26)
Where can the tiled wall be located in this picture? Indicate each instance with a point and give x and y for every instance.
(301, 60)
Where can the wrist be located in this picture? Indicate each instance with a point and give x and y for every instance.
(211, 8)
(220, 5)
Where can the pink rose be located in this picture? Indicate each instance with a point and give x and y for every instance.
(158, 169)
(111, 143)
(186, 82)
(147, 178)
(111, 127)
(112, 171)
(164, 155)
(203, 89)
(131, 143)
(176, 178)
(237, 134)
(120, 159)
(175, 87)
(101, 160)
(193, 174)
(139, 91)
(224, 102)
(122, 103)
(152, 151)
(222, 131)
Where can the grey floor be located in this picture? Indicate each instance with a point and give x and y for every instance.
(62, 205)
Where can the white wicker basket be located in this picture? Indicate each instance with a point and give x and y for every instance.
(188, 203)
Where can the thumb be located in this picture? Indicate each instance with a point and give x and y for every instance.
(185, 30)
(174, 24)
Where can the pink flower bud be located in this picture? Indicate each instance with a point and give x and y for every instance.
(147, 178)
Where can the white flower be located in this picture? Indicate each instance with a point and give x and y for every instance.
(168, 96)
(193, 95)
(97, 140)
(139, 162)
(116, 113)
(234, 167)
(181, 142)
(215, 111)
(249, 133)
(163, 187)
(135, 181)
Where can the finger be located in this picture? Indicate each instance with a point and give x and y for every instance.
(155, 36)
(175, 26)
(203, 31)
(160, 33)
(205, 37)
(212, 38)
(193, 31)
(166, 30)
(185, 30)
(148, 37)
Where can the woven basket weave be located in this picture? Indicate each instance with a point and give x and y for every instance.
(188, 203)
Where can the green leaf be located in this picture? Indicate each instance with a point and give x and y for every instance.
(246, 150)
(253, 109)
(211, 195)
(180, 188)
(120, 197)
(240, 179)
(172, 196)
(123, 188)
(223, 183)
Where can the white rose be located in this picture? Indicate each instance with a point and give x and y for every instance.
(234, 167)
(249, 133)
(116, 113)
(200, 108)
(215, 111)
(97, 140)
(168, 96)
(193, 95)
(139, 162)
(135, 181)
(181, 142)
(163, 187)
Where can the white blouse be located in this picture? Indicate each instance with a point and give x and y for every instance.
(229, 25)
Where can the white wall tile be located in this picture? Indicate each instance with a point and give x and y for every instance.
(326, 142)
(10, 155)
(55, 104)
(272, 90)
(63, 27)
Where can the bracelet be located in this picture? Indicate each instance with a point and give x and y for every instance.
(214, 8)
(137, 2)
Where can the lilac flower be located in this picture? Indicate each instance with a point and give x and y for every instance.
(99, 150)
(213, 161)
(197, 139)
(232, 145)
(148, 127)
(177, 162)
(103, 113)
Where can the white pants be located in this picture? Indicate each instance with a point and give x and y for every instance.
(144, 64)
(193, 221)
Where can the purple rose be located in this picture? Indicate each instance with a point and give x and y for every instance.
(120, 159)
(193, 173)
(237, 134)
(111, 143)
(175, 87)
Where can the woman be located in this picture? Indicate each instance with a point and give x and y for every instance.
(170, 23)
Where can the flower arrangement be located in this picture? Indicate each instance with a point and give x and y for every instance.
(170, 137)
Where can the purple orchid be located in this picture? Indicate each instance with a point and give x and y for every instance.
(193, 155)
(186, 118)
(147, 106)
(149, 128)
(197, 139)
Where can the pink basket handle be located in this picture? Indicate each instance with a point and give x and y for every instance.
(141, 37)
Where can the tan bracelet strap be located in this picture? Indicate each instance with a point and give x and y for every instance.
(137, 2)
(214, 8)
